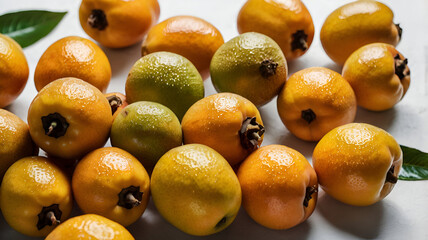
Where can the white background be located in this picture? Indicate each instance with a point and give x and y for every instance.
(402, 215)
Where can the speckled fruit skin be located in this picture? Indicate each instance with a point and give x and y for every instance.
(371, 71)
(324, 92)
(216, 120)
(275, 180)
(166, 78)
(356, 24)
(90, 226)
(188, 36)
(99, 178)
(15, 140)
(352, 163)
(237, 67)
(196, 190)
(73, 57)
(127, 21)
(84, 107)
(147, 130)
(280, 20)
(14, 70)
(30, 184)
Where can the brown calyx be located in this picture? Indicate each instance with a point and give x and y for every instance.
(115, 103)
(268, 68)
(50, 216)
(55, 125)
(401, 69)
(98, 19)
(251, 133)
(308, 196)
(399, 30)
(130, 197)
(299, 40)
(308, 115)
(390, 177)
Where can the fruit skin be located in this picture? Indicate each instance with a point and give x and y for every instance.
(127, 21)
(356, 24)
(189, 36)
(279, 20)
(237, 67)
(15, 140)
(320, 90)
(275, 180)
(216, 120)
(13, 70)
(85, 109)
(90, 226)
(166, 78)
(147, 130)
(194, 188)
(30, 184)
(73, 57)
(371, 71)
(352, 163)
(99, 178)
(117, 102)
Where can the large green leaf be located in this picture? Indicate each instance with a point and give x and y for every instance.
(27, 27)
(415, 164)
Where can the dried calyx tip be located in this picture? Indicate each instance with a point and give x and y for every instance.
(49, 216)
(308, 196)
(268, 68)
(390, 177)
(97, 19)
(55, 125)
(130, 197)
(251, 133)
(299, 41)
(115, 103)
(308, 115)
(401, 69)
(399, 30)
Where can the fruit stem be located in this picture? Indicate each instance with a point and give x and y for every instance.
(401, 69)
(97, 19)
(399, 30)
(55, 125)
(308, 115)
(251, 133)
(51, 216)
(268, 68)
(130, 199)
(115, 103)
(299, 40)
(390, 177)
(308, 196)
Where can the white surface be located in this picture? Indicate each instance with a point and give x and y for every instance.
(402, 215)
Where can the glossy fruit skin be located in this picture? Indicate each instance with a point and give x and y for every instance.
(127, 21)
(90, 226)
(73, 57)
(216, 120)
(236, 67)
(166, 78)
(194, 188)
(371, 71)
(356, 24)
(147, 130)
(99, 178)
(352, 162)
(14, 70)
(118, 107)
(30, 184)
(15, 140)
(324, 92)
(274, 181)
(83, 106)
(189, 36)
(278, 19)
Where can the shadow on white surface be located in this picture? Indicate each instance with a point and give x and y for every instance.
(383, 119)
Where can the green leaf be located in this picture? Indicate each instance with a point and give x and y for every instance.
(27, 27)
(415, 164)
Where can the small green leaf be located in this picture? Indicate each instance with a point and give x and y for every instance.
(27, 27)
(415, 164)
